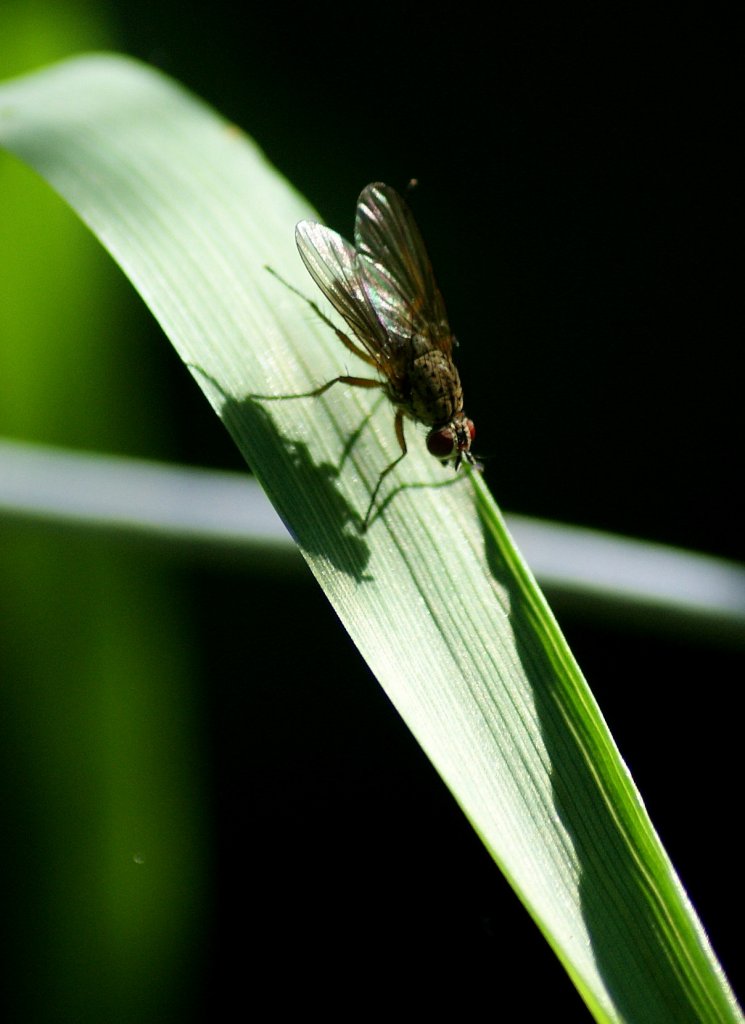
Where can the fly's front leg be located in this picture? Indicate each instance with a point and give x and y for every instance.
(399, 425)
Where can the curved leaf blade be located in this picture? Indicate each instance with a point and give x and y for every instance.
(435, 595)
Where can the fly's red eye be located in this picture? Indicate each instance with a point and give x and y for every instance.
(441, 443)
(471, 429)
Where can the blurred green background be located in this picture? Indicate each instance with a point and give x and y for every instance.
(200, 813)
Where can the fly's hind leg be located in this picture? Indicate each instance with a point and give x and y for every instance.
(343, 338)
(355, 382)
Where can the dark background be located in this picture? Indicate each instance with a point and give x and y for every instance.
(577, 193)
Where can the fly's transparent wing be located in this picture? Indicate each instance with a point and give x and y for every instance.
(333, 264)
(396, 270)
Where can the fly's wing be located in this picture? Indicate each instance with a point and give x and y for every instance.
(333, 264)
(396, 270)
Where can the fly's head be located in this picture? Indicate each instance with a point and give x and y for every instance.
(453, 441)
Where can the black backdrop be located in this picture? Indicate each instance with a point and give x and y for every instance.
(577, 192)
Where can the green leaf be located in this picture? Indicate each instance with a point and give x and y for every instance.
(434, 594)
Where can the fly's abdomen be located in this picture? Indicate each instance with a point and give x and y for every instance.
(435, 391)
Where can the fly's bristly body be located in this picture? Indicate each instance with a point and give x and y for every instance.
(384, 288)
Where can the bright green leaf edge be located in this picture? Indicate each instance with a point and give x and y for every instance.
(434, 594)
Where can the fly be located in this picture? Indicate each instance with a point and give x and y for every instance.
(384, 288)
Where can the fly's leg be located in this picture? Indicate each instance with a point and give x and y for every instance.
(355, 382)
(399, 425)
(343, 338)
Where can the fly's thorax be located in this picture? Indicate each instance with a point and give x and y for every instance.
(435, 395)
